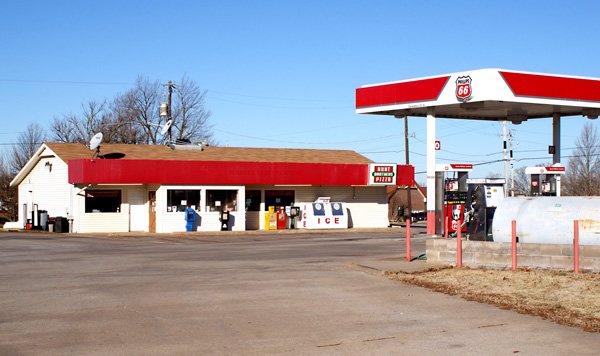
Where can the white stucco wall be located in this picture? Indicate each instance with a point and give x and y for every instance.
(47, 186)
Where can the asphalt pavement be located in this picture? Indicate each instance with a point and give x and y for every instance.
(247, 294)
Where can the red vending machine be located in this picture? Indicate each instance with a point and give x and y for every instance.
(281, 218)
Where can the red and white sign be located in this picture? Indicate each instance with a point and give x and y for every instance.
(464, 91)
(453, 167)
(382, 173)
(545, 170)
(438, 145)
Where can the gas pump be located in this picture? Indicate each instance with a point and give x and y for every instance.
(484, 196)
(545, 180)
(451, 196)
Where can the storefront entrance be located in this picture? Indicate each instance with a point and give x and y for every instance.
(279, 198)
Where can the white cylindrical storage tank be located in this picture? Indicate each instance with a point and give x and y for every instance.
(548, 219)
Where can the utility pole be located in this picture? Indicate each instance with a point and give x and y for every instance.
(512, 166)
(170, 86)
(406, 156)
(504, 158)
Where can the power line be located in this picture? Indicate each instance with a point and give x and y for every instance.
(32, 81)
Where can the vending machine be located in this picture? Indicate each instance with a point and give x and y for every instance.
(281, 218)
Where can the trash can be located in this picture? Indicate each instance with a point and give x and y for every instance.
(62, 224)
(43, 219)
(51, 224)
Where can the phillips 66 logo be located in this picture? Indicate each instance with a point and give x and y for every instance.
(463, 88)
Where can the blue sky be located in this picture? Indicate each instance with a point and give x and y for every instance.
(283, 73)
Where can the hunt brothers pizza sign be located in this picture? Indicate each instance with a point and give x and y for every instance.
(463, 88)
(382, 173)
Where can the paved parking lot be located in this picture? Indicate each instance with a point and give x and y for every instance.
(244, 294)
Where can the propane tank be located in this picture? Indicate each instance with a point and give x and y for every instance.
(548, 219)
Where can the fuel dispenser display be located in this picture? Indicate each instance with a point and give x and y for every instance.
(483, 198)
(451, 196)
(454, 205)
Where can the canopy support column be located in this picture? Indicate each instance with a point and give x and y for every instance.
(556, 144)
(430, 171)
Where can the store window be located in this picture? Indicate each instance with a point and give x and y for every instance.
(219, 200)
(252, 200)
(278, 198)
(178, 199)
(102, 201)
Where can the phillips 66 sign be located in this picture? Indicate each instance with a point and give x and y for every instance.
(463, 88)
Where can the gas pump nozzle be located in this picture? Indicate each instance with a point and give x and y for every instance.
(470, 214)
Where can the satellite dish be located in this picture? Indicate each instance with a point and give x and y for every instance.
(166, 128)
(95, 141)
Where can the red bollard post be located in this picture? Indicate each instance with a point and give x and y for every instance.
(408, 257)
(446, 227)
(514, 245)
(576, 246)
(459, 245)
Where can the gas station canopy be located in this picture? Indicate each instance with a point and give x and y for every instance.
(485, 94)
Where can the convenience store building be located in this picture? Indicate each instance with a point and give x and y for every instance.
(147, 187)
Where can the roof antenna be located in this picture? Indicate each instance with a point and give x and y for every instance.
(95, 144)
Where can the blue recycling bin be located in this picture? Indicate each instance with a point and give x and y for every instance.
(190, 218)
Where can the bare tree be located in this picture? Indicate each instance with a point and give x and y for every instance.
(582, 176)
(141, 104)
(133, 117)
(8, 194)
(522, 184)
(27, 143)
(190, 117)
(73, 128)
(523, 181)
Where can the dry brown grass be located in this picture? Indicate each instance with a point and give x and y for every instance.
(564, 297)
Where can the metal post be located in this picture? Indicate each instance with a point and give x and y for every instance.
(407, 159)
(446, 227)
(514, 244)
(556, 138)
(556, 144)
(576, 246)
(459, 245)
(504, 158)
(512, 164)
(430, 171)
(408, 252)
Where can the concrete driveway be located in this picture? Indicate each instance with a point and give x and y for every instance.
(244, 294)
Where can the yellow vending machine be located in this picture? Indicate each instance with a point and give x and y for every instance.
(271, 219)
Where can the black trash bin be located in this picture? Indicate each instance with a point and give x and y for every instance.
(62, 224)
